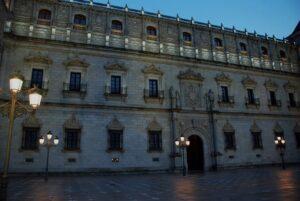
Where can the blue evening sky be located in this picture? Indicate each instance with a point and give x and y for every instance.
(278, 17)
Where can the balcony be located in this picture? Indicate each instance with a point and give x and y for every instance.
(43, 86)
(154, 97)
(293, 105)
(226, 101)
(74, 90)
(115, 94)
(274, 104)
(255, 103)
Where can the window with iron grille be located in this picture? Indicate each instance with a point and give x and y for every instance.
(273, 98)
(72, 139)
(115, 85)
(257, 141)
(297, 135)
(44, 14)
(153, 88)
(37, 78)
(115, 140)
(292, 100)
(225, 97)
(251, 98)
(79, 19)
(155, 141)
(75, 81)
(230, 140)
(30, 138)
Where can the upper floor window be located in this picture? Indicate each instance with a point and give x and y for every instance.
(116, 26)
(282, 54)
(79, 19)
(187, 37)
(44, 17)
(115, 86)
(75, 81)
(155, 141)
(30, 138)
(37, 78)
(264, 51)
(251, 98)
(151, 31)
(243, 47)
(218, 42)
(153, 88)
(72, 139)
(225, 97)
(273, 100)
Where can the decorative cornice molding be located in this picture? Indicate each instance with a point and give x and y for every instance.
(248, 82)
(190, 75)
(31, 122)
(39, 58)
(72, 123)
(254, 128)
(115, 124)
(76, 62)
(289, 87)
(154, 126)
(152, 69)
(271, 85)
(277, 128)
(115, 67)
(223, 79)
(228, 127)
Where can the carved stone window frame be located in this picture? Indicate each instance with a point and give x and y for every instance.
(43, 22)
(154, 126)
(153, 72)
(31, 122)
(250, 83)
(271, 85)
(72, 124)
(151, 38)
(115, 125)
(228, 128)
(291, 88)
(116, 32)
(223, 79)
(255, 130)
(115, 70)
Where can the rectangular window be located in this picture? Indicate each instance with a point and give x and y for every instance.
(251, 98)
(115, 87)
(155, 141)
(75, 81)
(30, 138)
(225, 97)
(115, 140)
(72, 139)
(229, 140)
(153, 88)
(292, 100)
(37, 78)
(273, 98)
(257, 142)
(297, 135)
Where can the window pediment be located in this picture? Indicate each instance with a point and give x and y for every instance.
(223, 79)
(152, 69)
(289, 87)
(115, 124)
(249, 82)
(115, 67)
(228, 127)
(254, 128)
(190, 75)
(31, 122)
(154, 126)
(271, 85)
(277, 128)
(76, 62)
(39, 58)
(72, 123)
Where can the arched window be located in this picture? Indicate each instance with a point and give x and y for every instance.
(218, 42)
(264, 51)
(80, 19)
(187, 37)
(243, 47)
(282, 54)
(44, 17)
(151, 31)
(116, 26)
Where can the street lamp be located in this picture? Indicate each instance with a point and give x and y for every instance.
(182, 143)
(280, 143)
(13, 109)
(210, 103)
(48, 141)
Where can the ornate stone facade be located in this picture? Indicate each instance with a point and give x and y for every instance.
(124, 79)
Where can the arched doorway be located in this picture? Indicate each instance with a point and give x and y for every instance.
(195, 155)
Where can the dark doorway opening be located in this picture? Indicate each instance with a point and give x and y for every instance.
(195, 155)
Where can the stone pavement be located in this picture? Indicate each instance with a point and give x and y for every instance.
(255, 184)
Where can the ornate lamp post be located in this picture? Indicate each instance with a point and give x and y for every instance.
(280, 143)
(14, 109)
(48, 141)
(182, 143)
(210, 103)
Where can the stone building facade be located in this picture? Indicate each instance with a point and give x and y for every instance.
(120, 85)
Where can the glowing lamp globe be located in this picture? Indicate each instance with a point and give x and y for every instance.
(15, 84)
(35, 99)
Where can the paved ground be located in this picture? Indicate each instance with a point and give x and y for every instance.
(236, 185)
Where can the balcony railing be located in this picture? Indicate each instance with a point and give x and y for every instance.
(153, 94)
(30, 84)
(293, 104)
(75, 88)
(121, 92)
(226, 100)
(253, 102)
(274, 103)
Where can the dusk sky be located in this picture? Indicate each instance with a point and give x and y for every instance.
(278, 17)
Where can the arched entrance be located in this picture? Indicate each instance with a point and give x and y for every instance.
(195, 154)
